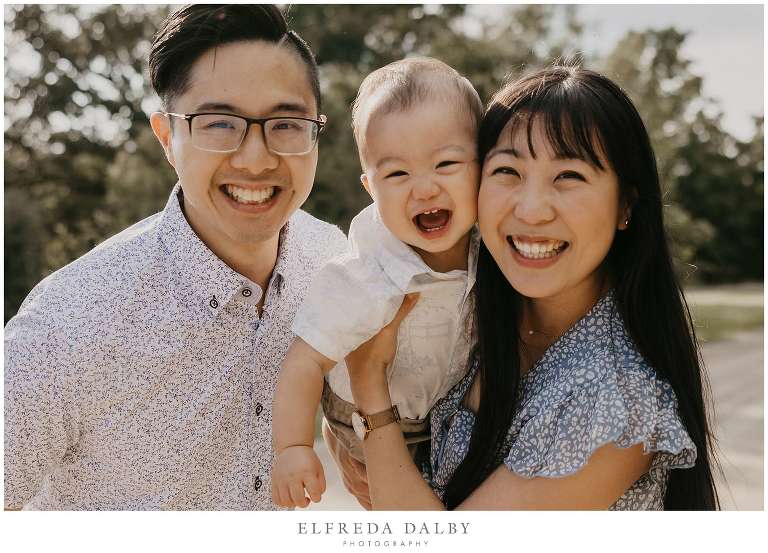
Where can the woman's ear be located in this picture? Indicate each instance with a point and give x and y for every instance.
(624, 218)
(625, 215)
(161, 126)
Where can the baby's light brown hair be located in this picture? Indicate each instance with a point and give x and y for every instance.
(403, 84)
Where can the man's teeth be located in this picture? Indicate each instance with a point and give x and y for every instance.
(538, 250)
(430, 212)
(249, 196)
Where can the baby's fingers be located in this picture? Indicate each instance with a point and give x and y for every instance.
(296, 491)
(315, 485)
(281, 495)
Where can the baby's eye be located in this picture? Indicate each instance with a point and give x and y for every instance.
(570, 175)
(396, 174)
(504, 170)
(447, 163)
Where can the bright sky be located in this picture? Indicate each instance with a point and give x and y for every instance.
(725, 45)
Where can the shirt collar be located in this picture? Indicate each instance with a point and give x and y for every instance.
(197, 275)
(399, 261)
(288, 257)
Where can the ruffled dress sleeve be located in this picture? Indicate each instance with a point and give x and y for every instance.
(601, 397)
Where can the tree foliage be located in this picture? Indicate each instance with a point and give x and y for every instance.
(81, 162)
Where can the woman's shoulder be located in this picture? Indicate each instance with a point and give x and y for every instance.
(597, 349)
(599, 389)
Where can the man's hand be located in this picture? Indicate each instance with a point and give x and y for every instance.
(297, 468)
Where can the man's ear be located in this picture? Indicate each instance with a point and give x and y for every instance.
(366, 184)
(161, 126)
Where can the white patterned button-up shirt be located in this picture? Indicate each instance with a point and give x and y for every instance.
(141, 376)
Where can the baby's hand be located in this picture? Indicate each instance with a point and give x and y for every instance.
(297, 468)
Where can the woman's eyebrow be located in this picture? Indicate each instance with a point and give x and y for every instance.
(500, 151)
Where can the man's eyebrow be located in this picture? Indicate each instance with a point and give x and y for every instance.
(291, 107)
(215, 106)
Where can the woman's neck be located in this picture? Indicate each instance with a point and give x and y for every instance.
(544, 320)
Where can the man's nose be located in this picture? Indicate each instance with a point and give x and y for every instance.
(425, 188)
(253, 153)
(534, 204)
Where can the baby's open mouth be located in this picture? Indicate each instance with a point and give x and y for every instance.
(432, 220)
(538, 250)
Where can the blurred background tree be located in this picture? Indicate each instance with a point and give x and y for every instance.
(81, 162)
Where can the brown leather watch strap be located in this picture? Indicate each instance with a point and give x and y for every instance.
(382, 418)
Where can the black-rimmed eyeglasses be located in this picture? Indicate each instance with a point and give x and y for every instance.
(224, 132)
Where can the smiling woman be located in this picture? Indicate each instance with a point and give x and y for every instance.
(586, 390)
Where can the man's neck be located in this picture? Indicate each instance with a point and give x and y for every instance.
(254, 260)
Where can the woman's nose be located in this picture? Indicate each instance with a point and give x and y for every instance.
(534, 205)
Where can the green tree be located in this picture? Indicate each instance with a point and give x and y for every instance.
(79, 162)
(713, 183)
(722, 183)
(650, 67)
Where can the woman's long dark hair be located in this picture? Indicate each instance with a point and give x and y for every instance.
(584, 113)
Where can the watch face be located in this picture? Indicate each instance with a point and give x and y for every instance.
(358, 425)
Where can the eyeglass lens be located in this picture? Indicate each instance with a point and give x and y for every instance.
(224, 133)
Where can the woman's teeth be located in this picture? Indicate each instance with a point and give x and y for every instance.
(539, 250)
(249, 196)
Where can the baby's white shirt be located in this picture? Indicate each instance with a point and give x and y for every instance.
(356, 294)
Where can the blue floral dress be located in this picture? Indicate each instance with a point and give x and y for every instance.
(590, 388)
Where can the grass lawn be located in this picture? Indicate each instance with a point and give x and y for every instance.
(716, 322)
(719, 311)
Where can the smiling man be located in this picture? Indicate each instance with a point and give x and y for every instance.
(141, 375)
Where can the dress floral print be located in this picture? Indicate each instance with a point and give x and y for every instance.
(592, 387)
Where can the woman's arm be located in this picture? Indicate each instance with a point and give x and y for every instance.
(609, 472)
(396, 483)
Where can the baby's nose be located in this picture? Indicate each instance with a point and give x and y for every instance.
(425, 188)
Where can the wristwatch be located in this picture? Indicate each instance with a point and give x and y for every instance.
(364, 424)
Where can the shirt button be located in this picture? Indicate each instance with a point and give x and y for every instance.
(214, 302)
(257, 483)
(247, 293)
(259, 409)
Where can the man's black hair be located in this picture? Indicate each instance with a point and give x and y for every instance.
(194, 29)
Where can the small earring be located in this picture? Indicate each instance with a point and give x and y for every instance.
(626, 222)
